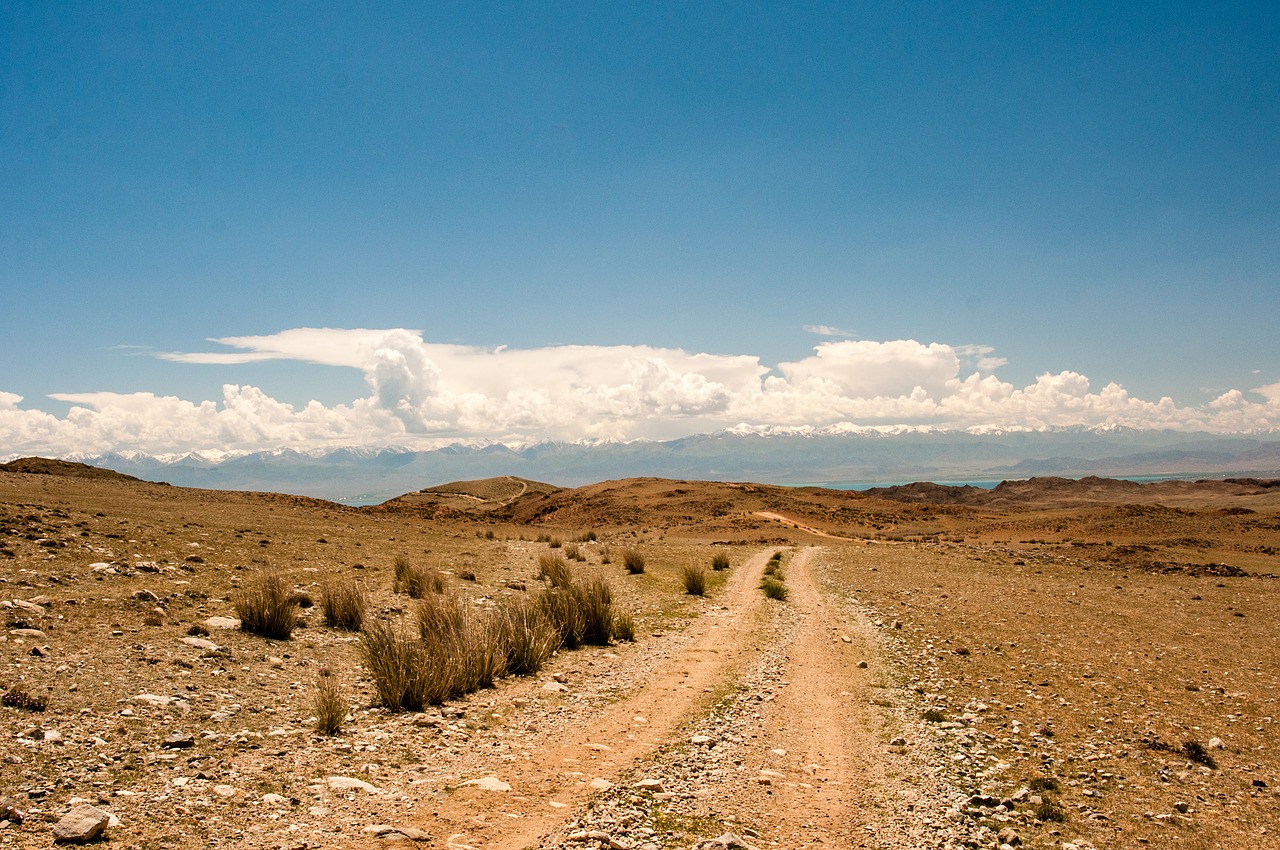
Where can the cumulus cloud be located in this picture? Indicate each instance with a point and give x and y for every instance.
(422, 393)
(828, 330)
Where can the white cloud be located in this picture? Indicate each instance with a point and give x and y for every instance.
(423, 393)
(828, 330)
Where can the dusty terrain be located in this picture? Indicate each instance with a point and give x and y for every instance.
(1055, 663)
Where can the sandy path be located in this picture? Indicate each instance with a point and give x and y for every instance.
(553, 781)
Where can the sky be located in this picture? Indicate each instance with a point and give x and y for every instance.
(241, 226)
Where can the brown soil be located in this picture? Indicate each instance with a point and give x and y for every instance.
(1085, 643)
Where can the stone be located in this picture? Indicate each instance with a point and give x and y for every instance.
(862, 665)
(1216, 744)
(225, 791)
(145, 595)
(222, 623)
(28, 633)
(179, 741)
(700, 740)
(1182, 807)
(600, 784)
(487, 783)
(201, 643)
(349, 783)
(898, 742)
(726, 841)
(273, 799)
(654, 785)
(1009, 836)
(83, 823)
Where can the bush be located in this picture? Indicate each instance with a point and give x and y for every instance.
(774, 589)
(694, 579)
(265, 608)
(397, 663)
(554, 570)
(528, 637)
(1047, 810)
(330, 707)
(564, 612)
(415, 580)
(624, 627)
(596, 598)
(633, 561)
(343, 604)
(720, 561)
(463, 645)
(16, 697)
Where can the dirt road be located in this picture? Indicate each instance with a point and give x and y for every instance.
(797, 743)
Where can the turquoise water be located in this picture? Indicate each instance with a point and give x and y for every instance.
(989, 483)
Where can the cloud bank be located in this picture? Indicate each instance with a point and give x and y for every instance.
(423, 394)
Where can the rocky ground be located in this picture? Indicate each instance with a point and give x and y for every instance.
(934, 694)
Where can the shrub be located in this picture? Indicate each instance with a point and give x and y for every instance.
(633, 561)
(1047, 810)
(265, 608)
(573, 552)
(588, 537)
(415, 580)
(343, 604)
(330, 707)
(933, 715)
(1043, 783)
(564, 612)
(606, 556)
(16, 697)
(596, 598)
(462, 645)
(720, 561)
(397, 664)
(774, 589)
(554, 570)
(624, 626)
(1194, 751)
(694, 579)
(528, 637)
(554, 542)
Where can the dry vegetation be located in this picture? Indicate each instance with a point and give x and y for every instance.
(1110, 651)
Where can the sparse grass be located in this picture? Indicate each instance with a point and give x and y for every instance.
(694, 579)
(606, 555)
(1198, 754)
(719, 561)
(396, 661)
(1048, 810)
(330, 706)
(555, 542)
(933, 715)
(415, 580)
(16, 697)
(343, 604)
(554, 570)
(633, 561)
(588, 537)
(596, 598)
(573, 552)
(774, 589)
(265, 608)
(565, 614)
(462, 645)
(527, 637)
(1043, 783)
(624, 626)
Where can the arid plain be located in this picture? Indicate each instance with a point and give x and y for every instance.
(1052, 663)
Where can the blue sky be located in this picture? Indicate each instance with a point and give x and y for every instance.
(1023, 191)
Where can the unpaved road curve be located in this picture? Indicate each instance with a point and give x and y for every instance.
(547, 787)
(785, 520)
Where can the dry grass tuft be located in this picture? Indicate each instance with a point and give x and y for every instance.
(624, 627)
(329, 705)
(634, 561)
(527, 636)
(694, 579)
(774, 588)
(265, 606)
(554, 570)
(397, 663)
(415, 580)
(343, 604)
(16, 697)
(719, 561)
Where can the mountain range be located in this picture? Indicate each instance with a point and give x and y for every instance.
(835, 457)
